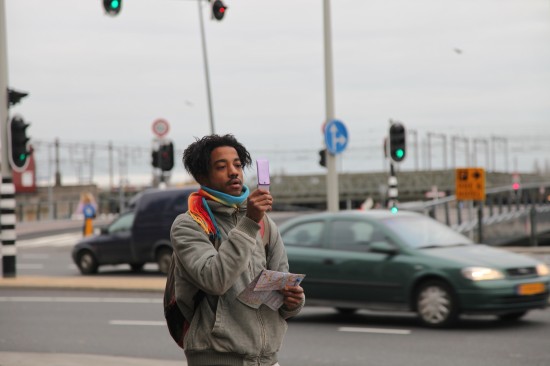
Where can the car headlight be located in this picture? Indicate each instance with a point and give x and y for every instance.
(482, 273)
(542, 269)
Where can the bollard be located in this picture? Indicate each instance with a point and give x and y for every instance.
(88, 226)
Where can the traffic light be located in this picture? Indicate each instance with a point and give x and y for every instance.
(155, 158)
(322, 157)
(397, 142)
(166, 157)
(112, 7)
(218, 9)
(19, 140)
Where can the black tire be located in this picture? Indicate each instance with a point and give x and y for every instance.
(346, 311)
(436, 304)
(137, 267)
(512, 316)
(164, 256)
(87, 263)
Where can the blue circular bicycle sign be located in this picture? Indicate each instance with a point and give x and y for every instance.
(336, 137)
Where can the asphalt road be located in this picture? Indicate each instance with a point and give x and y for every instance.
(131, 324)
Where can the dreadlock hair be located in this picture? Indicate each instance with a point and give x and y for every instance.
(196, 157)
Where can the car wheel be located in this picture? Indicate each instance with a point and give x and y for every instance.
(512, 316)
(87, 264)
(346, 311)
(137, 267)
(164, 257)
(436, 305)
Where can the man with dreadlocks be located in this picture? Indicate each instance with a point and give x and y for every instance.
(219, 251)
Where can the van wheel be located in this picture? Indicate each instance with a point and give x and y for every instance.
(164, 257)
(87, 264)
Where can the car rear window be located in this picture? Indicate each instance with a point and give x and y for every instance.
(420, 231)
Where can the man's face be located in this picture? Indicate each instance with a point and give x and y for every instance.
(225, 173)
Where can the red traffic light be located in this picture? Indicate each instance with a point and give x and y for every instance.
(218, 9)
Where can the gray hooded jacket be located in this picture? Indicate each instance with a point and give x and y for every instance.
(224, 330)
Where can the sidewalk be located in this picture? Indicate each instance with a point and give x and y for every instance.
(69, 359)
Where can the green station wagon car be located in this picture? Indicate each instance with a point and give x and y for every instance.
(409, 262)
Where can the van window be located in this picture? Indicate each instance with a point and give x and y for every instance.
(123, 223)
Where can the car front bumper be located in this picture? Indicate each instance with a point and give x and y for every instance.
(504, 296)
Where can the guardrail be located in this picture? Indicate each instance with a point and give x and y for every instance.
(505, 217)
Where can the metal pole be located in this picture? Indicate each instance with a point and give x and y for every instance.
(493, 153)
(332, 177)
(480, 222)
(7, 189)
(444, 137)
(206, 73)
(429, 151)
(57, 169)
(411, 132)
(110, 148)
(453, 152)
(533, 218)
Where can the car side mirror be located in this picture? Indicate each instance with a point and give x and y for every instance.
(383, 247)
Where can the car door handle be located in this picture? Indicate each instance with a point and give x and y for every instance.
(328, 261)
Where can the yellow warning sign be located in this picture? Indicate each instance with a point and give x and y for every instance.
(470, 184)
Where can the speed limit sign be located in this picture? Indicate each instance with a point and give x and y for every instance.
(160, 127)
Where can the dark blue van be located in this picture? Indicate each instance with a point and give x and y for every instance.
(138, 236)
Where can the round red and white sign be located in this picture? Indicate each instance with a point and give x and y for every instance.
(160, 127)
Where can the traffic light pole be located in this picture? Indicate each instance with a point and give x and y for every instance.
(206, 72)
(392, 188)
(7, 189)
(332, 177)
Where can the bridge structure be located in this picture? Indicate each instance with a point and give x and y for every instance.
(355, 188)
(506, 217)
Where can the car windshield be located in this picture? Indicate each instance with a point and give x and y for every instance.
(424, 232)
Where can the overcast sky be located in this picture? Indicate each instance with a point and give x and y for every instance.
(462, 67)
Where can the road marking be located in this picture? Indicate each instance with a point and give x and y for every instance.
(61, 240)
(35, 256)
(375, 330)
(116, 300)
(30, 266)
(136, 322)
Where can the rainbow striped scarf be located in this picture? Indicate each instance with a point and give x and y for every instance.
(200, 212)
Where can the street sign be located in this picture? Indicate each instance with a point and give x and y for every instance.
(160, 127)
(336, 137)
(470, 184)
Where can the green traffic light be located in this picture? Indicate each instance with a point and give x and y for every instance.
(22, 157)
(394, 209)
(115, 4)
(399, 153)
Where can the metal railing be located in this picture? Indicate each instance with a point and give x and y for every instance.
(506, 216)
